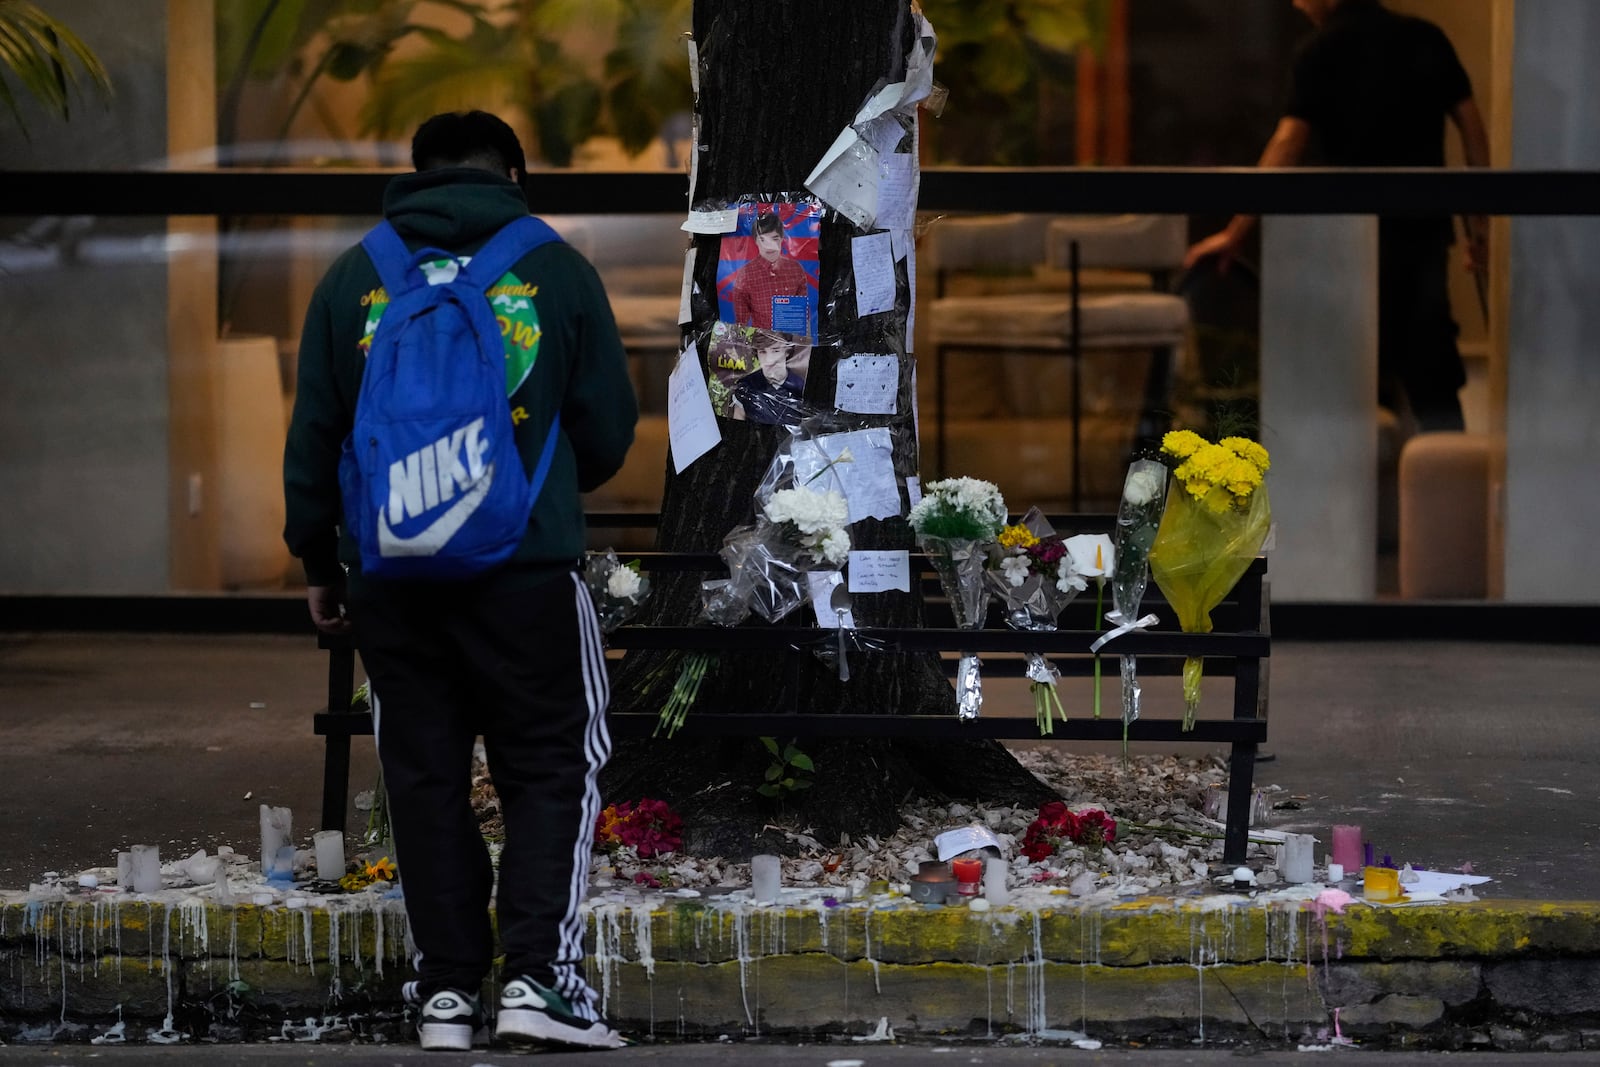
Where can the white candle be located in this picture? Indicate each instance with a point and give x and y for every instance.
(994, 882)
(1335, 872)
(330, 854)
(277, 830)
(1296, 858)
(125, 869)
(144, 868)
(766, 877)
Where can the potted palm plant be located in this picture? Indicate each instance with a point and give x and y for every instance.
(45, 59)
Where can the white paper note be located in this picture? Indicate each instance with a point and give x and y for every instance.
(879, 572)
(691, 424)
(916, 407)
(822, 585)
(867, 481)
(867, 384)
(684, 314)
(720, 221)
(883, 133)
(897, 192)
(911, 305)
(872, 258)
(955, 842)
(913, 489)
(846, 178)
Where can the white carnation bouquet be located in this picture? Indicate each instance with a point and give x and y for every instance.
(800, 526)
(814, 520)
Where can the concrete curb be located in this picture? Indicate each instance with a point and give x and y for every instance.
(1224, 968)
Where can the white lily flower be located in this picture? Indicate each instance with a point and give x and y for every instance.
(1092, 555)
(1016, 569)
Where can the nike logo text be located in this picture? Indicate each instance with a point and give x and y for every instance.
(430, 476)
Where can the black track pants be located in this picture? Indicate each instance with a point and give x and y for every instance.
(524, 669)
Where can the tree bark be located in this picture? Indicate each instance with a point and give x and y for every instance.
(778, 82)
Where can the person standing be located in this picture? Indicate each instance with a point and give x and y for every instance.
(512, 653)
(1374, 88)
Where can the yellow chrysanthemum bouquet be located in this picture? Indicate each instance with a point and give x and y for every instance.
(1215, 522)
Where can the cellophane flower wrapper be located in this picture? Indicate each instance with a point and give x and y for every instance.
(954, 522)
(1199, 555)
(616, 589)
(764, 572)
(1144, 498)
(1034, 605)
(799, 526)
(960, 567)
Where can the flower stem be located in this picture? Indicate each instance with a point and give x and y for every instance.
(1181, 832)
(684, 691)
(1099, 622)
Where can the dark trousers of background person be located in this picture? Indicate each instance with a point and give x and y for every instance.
(1419, 364)
(523, 668)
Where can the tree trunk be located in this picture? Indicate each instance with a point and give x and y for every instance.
(777, 84)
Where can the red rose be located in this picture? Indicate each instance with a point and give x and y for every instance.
(1095, 827)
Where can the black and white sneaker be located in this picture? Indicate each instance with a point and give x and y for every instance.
(451, 1021)
(531, 1013)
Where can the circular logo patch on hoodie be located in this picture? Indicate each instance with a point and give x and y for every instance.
(512, 301)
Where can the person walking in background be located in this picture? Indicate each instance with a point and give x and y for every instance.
(1373, 88)
(511, 653)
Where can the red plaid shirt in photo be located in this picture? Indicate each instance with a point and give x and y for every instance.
(757, 282)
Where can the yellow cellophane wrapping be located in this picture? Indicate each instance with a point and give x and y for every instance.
(1199, 555)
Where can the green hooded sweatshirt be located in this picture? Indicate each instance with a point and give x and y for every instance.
(562, 354)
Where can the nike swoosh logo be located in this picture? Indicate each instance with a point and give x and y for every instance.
(438, 533)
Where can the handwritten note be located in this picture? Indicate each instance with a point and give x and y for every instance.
(867, 384)
(879, 572)
(721, 221)
(911, 308)
(897, 192)
(691, 424)
(867, 481)
(914, 489)
(872, 257)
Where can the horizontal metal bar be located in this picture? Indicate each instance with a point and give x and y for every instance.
(711, 724)
(1055, 643)
(707, 724)
(1077, 190)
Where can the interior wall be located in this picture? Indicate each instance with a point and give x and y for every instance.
(83, 401)
(1553, 388)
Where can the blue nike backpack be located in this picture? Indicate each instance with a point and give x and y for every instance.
(433, 484)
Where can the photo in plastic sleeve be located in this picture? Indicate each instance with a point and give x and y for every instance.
(756, 375)
(767, 274)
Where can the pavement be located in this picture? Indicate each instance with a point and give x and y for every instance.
(1444, 752)
(833, 1054)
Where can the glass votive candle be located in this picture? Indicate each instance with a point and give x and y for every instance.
(968, 874)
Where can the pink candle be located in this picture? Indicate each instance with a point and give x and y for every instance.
(1347, 847)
